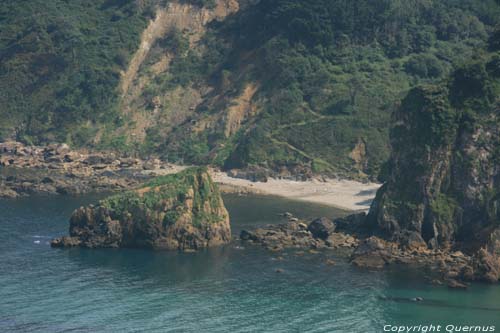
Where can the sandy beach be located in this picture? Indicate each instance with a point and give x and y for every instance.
(344, 194)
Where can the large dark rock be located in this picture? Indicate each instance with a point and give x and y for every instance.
(175, 212)
(354, 223)
(321, 227)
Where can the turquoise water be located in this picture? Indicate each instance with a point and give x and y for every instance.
(228, 289)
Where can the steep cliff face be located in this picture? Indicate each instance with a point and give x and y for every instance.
(443, 188)
(175, 22)
(175, 212)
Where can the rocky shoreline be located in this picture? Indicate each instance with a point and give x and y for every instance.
(56, 169)
(452, 267)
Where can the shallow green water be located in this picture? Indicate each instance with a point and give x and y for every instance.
(229, 289)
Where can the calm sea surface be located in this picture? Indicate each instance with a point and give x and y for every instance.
(229, 289)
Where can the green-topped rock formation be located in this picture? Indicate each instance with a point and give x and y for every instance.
(443, 181)
(181, 211)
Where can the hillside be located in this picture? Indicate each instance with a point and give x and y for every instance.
(291, 86)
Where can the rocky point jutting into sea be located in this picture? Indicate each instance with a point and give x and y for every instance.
(443, 188)
(440, 205)
(181, 211)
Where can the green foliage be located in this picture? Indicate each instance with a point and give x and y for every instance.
(443, 209)
(424, 66)
(494, 41)
(493, 66)
(433, 122)
(469, 81)
(330, 73)
(173, 188)
(60, 63)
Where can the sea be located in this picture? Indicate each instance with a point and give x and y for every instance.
(235, 288)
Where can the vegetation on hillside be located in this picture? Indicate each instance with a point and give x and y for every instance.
(60, 64)
(329, 74)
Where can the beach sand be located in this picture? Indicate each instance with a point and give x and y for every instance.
(344, 194)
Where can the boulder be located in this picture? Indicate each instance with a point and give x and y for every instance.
(248, 236)
(487, 266)
(354, 223)
(321, 228)
(6, 192)
(152, 164)
(94, 159)
(372, 253)
(338, 239)
(65, 242)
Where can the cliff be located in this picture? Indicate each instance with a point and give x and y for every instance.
(443, 184)
(182, 211)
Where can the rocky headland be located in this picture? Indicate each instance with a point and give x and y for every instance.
(182, 211)
(443, 183)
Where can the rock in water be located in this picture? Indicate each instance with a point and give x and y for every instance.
(182, 211)
(321, 227)
(373, 253)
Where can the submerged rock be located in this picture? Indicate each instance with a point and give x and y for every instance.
(66, 242)
(454, 284)
(176, 212)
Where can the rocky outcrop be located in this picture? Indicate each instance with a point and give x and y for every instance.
(181, 211)
(319, 234)
(443, 188)
(321, 228)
